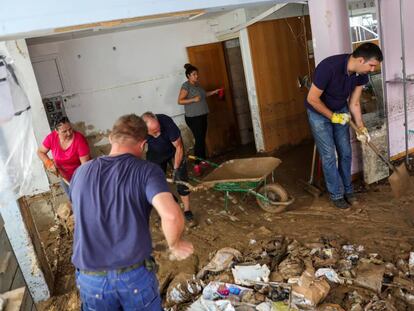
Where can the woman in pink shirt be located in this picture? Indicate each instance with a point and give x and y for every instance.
(69, 150)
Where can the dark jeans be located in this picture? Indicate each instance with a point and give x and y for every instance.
(198, 126)
(181, 175)
(133, 290)
(331, 138)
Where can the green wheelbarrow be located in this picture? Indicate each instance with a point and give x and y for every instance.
(248, 176)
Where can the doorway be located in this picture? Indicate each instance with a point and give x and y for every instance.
(229, 121)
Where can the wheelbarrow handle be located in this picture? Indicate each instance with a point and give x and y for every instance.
(194, 158)
(188, 185)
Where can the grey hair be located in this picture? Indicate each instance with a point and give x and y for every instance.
(149, 114)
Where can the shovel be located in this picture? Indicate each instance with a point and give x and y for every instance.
(399, 179)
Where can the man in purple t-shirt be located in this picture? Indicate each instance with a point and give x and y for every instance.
(336, 90)
(112, 197)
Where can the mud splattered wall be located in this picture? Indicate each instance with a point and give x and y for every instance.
(107, 75)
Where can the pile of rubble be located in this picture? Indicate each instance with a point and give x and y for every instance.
(282, 274)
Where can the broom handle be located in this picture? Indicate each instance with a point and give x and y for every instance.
(372, 146)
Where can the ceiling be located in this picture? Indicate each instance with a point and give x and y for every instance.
(81, 31)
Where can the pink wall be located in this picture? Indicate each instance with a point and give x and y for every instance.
(391, 46)
(330, 28)
(330, 33)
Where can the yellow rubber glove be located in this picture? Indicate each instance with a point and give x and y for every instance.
(363, 135)
(340, 118)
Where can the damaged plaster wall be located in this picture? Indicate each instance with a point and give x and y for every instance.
(106, 76)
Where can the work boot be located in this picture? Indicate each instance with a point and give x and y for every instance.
(341, 203)
(189, 218)
(197, 170)
(351, 199)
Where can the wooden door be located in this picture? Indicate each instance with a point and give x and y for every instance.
(222, 127)
(279, 50)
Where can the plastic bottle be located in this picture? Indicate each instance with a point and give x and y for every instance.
(234, 290)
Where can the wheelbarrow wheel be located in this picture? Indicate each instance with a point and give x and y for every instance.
(275, 194)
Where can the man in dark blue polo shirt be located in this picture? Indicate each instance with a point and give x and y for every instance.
(165, 146)
(112, 197)
(336, 90)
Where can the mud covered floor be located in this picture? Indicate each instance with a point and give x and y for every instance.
(379, 222)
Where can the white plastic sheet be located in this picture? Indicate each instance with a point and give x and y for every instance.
(6, 106)
(17, 142)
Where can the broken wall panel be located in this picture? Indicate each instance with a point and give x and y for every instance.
(374, 168)
(279, 55)
(391, 46)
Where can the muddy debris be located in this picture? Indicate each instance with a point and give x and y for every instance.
(283, 274)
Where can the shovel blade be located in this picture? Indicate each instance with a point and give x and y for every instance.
(399, 180)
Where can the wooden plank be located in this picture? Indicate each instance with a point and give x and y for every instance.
(35, 238)
(27, 302)
(124, 21)
(5, 262)
(18, 280)
(279, 55)
(401, 155)
(6, 278)
(222, 127)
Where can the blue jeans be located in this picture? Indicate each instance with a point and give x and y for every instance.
(331, 138)
(133, 290)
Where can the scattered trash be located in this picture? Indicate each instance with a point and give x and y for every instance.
(380, 305)
(264, 306)
(309, 291)
(291, 267)
(279, 306)
(330, 307)
(326, 257)
(202, 304)
(370, 276)
(183, 288)
(411, 263)
(219, 290)
(330, 274)
(246, 275)
(54, 228)
(278, 274)
(223, 260)
(233, 218)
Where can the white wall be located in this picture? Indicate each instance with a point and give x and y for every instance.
(144, 72)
